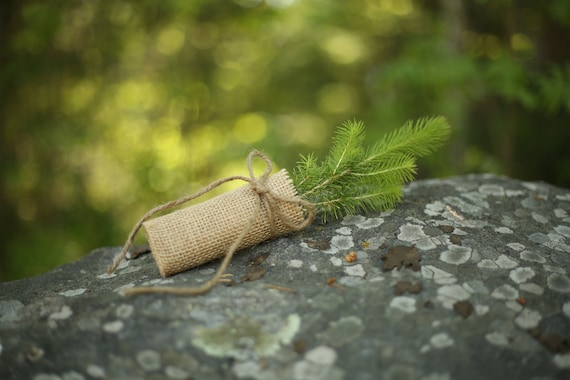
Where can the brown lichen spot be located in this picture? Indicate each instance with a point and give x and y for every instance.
(463, 308)
(406, 286)
(456, 239)
(299, 346)
(447, 229)
(402, 256)
(321, 245)
(552, 342)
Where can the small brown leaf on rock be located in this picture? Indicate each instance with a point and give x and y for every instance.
(406, 286)
(260, 259)
(552, 342)
(401, 255)
(255, 273)
(321, 245)
(463, 308)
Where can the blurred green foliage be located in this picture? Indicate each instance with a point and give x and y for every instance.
(109, 108)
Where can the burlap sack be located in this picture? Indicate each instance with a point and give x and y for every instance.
(203, 232)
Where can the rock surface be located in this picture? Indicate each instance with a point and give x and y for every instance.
(490, 298)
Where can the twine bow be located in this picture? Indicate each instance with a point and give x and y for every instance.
(265, 196)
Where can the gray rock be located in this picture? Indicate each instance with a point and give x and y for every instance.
(494, 300)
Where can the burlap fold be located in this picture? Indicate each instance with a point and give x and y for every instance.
(203, 232)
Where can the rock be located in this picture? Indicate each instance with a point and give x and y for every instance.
(499, 244)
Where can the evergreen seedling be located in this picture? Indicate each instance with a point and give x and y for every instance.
(353, 178)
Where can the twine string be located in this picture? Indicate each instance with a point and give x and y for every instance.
(265, 198)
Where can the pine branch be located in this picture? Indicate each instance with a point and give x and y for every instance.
(352, 179)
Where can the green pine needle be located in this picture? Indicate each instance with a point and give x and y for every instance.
(352, 179)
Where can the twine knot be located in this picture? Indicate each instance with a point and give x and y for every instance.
(266, 198)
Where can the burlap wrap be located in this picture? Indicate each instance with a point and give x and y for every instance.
(203, 232)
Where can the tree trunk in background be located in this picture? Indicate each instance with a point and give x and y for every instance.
(454, 15)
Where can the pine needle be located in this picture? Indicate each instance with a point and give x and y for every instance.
(353, 179)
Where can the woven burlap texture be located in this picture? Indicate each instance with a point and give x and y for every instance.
(203, 232)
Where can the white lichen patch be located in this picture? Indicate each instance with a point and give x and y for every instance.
(533, 288)
(521, 275)
(295, 263)
(318, 364)
(243, 338)
(563, 230)
(560, 213)
(440, 276)
(370, 223)
(565, 197)
(73, 292)
(562, 360)
(355, 270)
(313, 268)
(414, 233)
(9, 310)
(64, 313)
(497, 339)
(173, 372)
(343, 331)
(207, 271)
(448, 295)
(558, 282)
(403, 303)
(514, 193)
(539, 218)
(487, 264)
(435, 208)
(411, 232)
(505, 292)
(503, 230)
(322, 355)
(352, 219)
(441, 340)
(554, 269)
(456, 254)
(124, 311)
(113, 327)
(528, 319)
(466, 207)
(342, 242)
(343, 231)
(337, 262)
(149, 360)
(481, 310)
(495, 190)
(504, 262)
(532, 257)
(72, 375)
(95, 371)
(516, 246)
(514, 306)
(566, 309)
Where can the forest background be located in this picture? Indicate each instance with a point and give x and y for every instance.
(108, 108)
